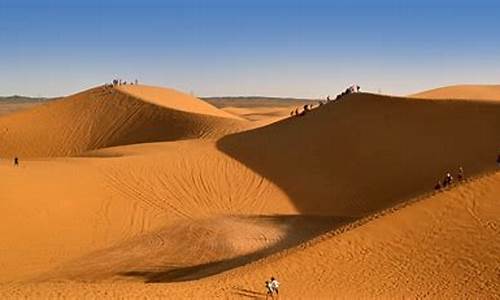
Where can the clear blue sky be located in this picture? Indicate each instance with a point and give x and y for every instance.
(239, 47)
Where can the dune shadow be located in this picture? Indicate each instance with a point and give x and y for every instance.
(247, 293)
(368, 152)
(300, 229)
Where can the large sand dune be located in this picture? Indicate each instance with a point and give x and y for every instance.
(478, 92)
(103, 117)
(335, 203)
(367, 151)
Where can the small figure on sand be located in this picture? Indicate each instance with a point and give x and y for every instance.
(269, 289)
(275, 284)
(16, 161)
(460, 175)
(272, 287)
(448, 180)
(438, 185)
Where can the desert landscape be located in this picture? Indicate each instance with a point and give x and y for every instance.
(273, 150)
(137, 191)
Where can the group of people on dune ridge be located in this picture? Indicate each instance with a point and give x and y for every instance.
(116, 82)
(448, 179)
(308, 107)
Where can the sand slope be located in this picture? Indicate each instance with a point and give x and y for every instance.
(103, 117)
(443, 246)
(368, 151)
(478, 92)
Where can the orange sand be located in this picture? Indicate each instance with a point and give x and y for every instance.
(478, 92)
(165, 189)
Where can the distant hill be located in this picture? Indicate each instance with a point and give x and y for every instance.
(15, 103)
(23, 99)
(252, 101)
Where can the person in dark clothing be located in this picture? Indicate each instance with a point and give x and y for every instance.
(448, 180)
(438, 185)
(16, 161)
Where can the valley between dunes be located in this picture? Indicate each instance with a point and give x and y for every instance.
(146, 192)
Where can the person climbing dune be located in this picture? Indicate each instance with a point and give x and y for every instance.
(438, 185)
(275, 285)
(460, 175)
(269, 288)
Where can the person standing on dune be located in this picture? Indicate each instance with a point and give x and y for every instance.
(460, 175)
(438, 185)
(270, 291)
(275, 284)
(16, 161)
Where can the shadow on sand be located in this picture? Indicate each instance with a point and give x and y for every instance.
(307, 227)
(368, 152)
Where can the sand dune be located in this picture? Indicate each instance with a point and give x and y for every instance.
(478, 92)
(368, 151)
(441, 246)
(103, 117)
(177, 194)
(444, 246)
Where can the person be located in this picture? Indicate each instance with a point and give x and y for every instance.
(136, 82)
(269, 288)
(357, 88)
(448, 180)
(275, 285)
(438, 185)
(328, 98)
(460, 175)
(16, 161)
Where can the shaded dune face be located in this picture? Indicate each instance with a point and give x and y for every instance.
(368, 152)
(477, 92)
(104, 117)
